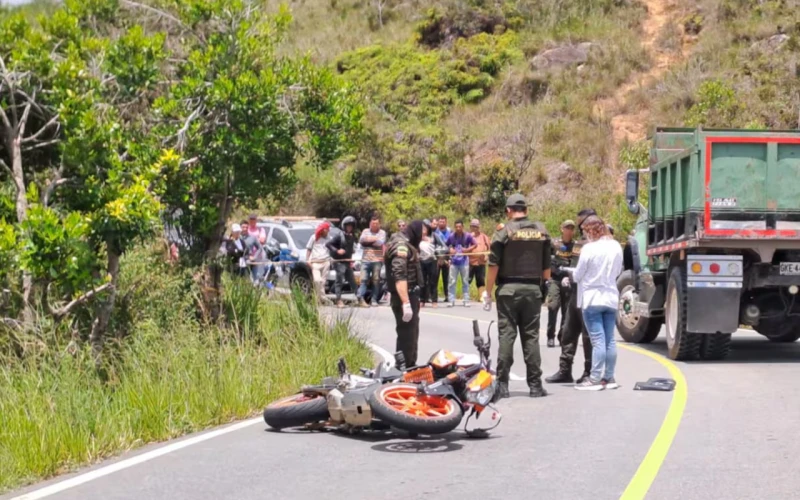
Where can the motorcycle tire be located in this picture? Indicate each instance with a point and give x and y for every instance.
(296, 411)
(398, 406)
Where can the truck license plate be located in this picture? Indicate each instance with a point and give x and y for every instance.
(790, 268)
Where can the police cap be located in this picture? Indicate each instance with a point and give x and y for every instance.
(516, 201)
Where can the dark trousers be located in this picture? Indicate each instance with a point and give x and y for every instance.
(574, 330)
(519, 309)
(343, 271)
(558, 298)
(407, 333)
(429, 283)
(478, 273)
(442, 270)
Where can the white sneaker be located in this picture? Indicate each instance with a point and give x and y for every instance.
(452, 303)
(466, 303)
(589, 385)
(610, 384)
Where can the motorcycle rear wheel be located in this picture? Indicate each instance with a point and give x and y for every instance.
(399, 406)
(296, 411)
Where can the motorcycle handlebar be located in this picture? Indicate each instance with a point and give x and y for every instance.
(475, 330)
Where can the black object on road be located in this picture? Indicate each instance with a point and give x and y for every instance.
(655, 384)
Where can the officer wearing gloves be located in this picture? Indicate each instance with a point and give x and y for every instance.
(519, 263)
(404, 277)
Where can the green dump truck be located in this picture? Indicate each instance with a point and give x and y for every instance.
(718, 245)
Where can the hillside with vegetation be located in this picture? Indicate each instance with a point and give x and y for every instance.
(470, 100)
(121, 117)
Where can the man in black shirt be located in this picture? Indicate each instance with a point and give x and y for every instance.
(341, 247)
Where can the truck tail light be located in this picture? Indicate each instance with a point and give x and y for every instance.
(697, 267)
(714, 268)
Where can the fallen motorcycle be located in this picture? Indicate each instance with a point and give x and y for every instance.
(466, 380)
(429, 399)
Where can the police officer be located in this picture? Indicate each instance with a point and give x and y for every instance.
(558, 295)
(573, 328)
(519, 262)
(404, 276)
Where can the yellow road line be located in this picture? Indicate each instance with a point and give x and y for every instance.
(648, 469)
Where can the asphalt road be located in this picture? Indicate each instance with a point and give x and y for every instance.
(736, 439)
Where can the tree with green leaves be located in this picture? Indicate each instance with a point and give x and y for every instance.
(240, 116)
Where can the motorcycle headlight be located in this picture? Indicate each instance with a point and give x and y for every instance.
(483, 396)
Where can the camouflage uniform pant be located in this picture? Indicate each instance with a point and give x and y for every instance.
(519, 310)
(557, 299)
(572, 330)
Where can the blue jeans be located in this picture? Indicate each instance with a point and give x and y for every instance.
(457, 270)
(370, 271)
(600, 323)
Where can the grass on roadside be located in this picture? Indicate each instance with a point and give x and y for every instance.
(55, 414)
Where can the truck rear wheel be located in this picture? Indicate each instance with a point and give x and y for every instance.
(779, 330)
(716, 346)
(632, 327)
(681, 345)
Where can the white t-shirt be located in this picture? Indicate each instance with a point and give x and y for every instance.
(426, 250)
(599, 266)
(319, 250)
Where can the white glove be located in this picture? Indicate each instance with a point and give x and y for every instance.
(565, 282)
(487, 301)
(407, 312)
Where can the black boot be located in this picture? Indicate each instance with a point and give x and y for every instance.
(584, 377)
(537, 391)
(560, 377)
(551, 342)
(502, 391)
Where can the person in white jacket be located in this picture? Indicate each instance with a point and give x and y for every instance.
(596, 275)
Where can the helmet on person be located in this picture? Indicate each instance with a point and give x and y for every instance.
(349, 220)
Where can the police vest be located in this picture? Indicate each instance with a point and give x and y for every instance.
(522, 254)
(562, 252)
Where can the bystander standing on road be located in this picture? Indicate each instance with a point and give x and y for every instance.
(518, 263)
(573, 330)
(342, 246)
(404, 276)
(460, 242)
(479, 257)
(401, 225)
(257, 256)
(558, 294)
(373, 240)
(442, 234)
(253, 229)
(235, 250)
(319, 257)
(596, 275)
(427, 257)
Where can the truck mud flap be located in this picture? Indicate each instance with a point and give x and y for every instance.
(714, 287)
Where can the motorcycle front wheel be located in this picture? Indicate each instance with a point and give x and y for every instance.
(296, 411)
(400, 406)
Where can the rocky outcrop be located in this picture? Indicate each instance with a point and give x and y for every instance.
(563, 57)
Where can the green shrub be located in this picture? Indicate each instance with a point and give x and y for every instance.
(170, 376)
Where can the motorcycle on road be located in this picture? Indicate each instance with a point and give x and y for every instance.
(428, 399)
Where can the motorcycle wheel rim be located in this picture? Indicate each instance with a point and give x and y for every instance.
(406, 400)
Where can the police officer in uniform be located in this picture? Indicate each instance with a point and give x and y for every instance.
(558, 295)
(404, 277)
(519, 263)
(573, 328)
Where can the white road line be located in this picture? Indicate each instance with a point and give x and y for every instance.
(130, 462)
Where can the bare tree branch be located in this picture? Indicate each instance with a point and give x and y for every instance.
(41, 145)
(58, 314)
(181, 135)
(50, 123)
(160, 13)
(48, 192)
(24, 120)
(6, 121)
(5, 166)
